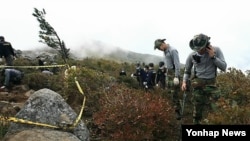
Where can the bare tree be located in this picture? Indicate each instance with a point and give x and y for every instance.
(49, 36)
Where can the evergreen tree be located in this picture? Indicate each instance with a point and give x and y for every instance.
(49, 36)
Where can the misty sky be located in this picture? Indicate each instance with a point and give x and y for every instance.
(133, 25)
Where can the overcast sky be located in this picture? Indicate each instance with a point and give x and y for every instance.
(133, 25)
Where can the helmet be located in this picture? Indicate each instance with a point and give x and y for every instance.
(199, 41)
(161, 64)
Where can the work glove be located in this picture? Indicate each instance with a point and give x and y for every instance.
(132, 75)
(144, 83)
(176, 81)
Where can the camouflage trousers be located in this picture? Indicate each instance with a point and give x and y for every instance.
(204, 96)
(174, 90)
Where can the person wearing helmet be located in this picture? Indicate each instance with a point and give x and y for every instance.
(6, 51)
(161, 75)
(205, 59)
(173, 68)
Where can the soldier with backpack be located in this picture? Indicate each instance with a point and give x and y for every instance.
(173, 72)
(205, 59)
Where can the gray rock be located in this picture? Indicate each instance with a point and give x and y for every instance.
(48, 107)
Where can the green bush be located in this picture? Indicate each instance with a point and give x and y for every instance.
(234, 103)
(3, 130)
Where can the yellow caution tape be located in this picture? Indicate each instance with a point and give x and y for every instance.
(83, 103)
(16, 120)
(49, 66)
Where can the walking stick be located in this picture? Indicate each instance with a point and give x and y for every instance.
(183, 102)
(182, 111)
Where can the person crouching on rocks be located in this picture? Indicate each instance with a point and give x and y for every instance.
(10, 76)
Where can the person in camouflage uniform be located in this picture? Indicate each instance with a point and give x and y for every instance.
(205, 59)
(173, 72)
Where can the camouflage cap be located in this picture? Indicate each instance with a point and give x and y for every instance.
(158, 43)
(199, 41)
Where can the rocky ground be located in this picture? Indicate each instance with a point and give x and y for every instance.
(19, 100)
(12, 101)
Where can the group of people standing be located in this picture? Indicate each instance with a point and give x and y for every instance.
(200, 70)
(204, 60)
(141, 74)
(148, 77)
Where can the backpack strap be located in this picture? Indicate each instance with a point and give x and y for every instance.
(215, 67)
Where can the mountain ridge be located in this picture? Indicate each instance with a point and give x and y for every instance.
(117, 54)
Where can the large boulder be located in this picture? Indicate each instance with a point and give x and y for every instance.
(47, 107)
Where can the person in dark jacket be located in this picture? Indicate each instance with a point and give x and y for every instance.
(6, 51)
(153, 73)
(11, 76)
(44, 70)
(139, 74)
(161, 75)
(147, 78)
(40, 61)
